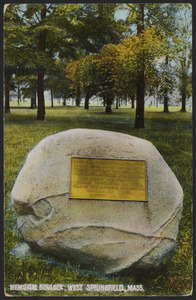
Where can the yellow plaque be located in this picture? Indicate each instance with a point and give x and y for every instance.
(108, 179)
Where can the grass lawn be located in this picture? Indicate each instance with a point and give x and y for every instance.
(171, 133)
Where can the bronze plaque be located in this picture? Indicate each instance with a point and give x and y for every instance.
(108, 179)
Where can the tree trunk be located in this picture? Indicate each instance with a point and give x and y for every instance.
(117, 103)
(109, 101)
(86, 105)
(78, 98)
(139, 116)
(140, 86)
(40, 92)
(77, 101)
(166, 98)
(104, 101)
(183, 109)
(64, 102)
(40, 86)
(132, 102)
(7, 93)
(108, 109)
(33, 99)
(18, 94)
(52, 98)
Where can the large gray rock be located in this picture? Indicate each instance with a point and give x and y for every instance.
(96, 234)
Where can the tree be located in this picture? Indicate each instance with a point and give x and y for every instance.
(139, 117)
(165, 81)
(95, 26)
(73, 71)
(20, 41)
(7, 79)
(32, 38)
(183, 59)
(11, 53)
(112, 73)
(140, 53)
(64, 31)
(137, 16)
(56, 81)
(40, 78)
(143, 16)
(108, 68)
(26, 80)
(89, 77)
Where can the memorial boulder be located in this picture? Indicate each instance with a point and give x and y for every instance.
(102, 200)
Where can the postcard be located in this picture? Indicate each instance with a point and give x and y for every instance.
(98, 149)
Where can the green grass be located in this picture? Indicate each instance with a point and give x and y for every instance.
(172, 135)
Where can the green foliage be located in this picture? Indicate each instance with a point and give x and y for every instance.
(141, 52)
(114, 69)
(162, 16)
(171, 134)
(183, 52)
(73, 73)
(74, 31)
(56, 80)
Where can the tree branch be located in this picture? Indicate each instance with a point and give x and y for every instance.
(131, 7)
(37, 18)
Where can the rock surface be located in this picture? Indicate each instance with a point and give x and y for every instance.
(21, 250)
(107, 236)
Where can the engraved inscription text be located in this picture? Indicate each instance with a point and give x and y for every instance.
(108, 179)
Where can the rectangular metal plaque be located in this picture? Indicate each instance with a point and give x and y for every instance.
(108, 179)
